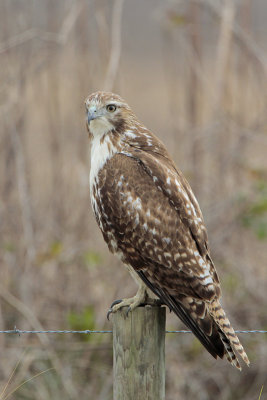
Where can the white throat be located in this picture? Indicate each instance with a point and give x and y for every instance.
(100, 126)
(101, 152)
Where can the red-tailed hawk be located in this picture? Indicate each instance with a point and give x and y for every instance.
(151, 219)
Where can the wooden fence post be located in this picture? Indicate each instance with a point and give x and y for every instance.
(139, 354)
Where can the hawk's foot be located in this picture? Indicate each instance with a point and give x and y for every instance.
(141, 298)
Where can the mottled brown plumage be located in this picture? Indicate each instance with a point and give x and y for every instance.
(150, 218)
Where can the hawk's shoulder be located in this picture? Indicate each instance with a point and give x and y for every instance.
(170, 181)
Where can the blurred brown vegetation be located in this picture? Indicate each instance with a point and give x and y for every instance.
(195, 73)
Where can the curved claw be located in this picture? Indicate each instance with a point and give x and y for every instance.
(112, 305)
(115, 302)
(108, 313)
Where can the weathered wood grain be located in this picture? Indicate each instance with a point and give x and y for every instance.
(139, 354)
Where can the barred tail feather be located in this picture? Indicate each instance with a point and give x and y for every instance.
(228, 335)
(230, 355)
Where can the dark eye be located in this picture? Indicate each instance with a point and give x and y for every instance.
(111, 107)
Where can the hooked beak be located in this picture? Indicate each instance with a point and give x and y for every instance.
(91, 115)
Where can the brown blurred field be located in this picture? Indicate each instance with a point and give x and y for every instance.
(196, 74)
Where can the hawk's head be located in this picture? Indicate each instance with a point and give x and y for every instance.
(106, 112)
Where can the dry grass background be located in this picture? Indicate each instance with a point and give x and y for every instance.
(195, 73)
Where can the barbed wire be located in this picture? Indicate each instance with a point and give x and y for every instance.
(87, 331)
